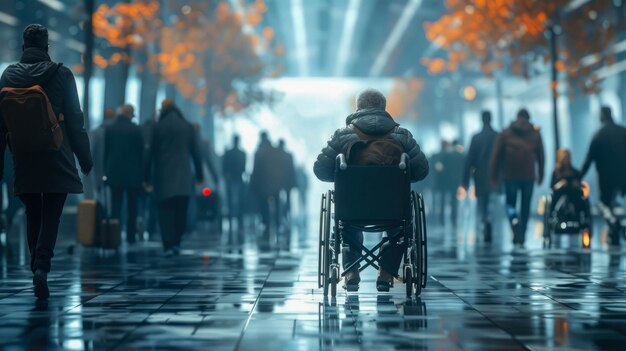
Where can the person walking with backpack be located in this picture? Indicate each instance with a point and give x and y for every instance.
(519, 154)
(123, 167)
(371, 123)
(39, 92)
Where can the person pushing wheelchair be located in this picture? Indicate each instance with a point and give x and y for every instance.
(371, 137)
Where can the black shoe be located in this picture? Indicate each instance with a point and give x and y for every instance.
(40, 281)
(352, 280)
(384, 281)
(383, 286)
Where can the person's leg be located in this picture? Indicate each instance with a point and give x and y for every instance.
(182, 207)
(167, 212)
(482, 202)
(608, 195)
(510, 188)
(441, 196)
(392, 252)
(132, 202)
(51, 217)
(350, 252)
(33, 204)
(117, 197)
(454, 206)
(527, 194)
(230, 203)
(237, 189)
(153, 213)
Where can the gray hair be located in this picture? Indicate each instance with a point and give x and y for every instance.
(371, 98)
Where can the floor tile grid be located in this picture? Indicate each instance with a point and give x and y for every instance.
(254, 307)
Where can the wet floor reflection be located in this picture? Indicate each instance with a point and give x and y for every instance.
(479, 297)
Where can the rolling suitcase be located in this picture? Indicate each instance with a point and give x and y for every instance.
(109, 234)
(87, 219)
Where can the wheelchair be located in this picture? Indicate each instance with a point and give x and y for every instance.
(372, 199)
(567, 216)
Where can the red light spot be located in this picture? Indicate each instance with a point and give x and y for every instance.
(206, 192)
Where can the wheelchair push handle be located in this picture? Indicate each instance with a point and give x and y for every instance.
(343, 165)
(404, 159)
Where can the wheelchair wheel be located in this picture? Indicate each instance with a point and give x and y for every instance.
(324, 244)
(334, 279)
(408, 281)
(415, 273)
(423, 243)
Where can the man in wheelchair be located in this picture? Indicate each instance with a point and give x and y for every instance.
(371, 137)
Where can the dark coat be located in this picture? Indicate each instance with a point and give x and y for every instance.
(96, 137)
(372, 122)
(123, 154)
(234, 164)
(287, 169)
(53, 171)
(174, 147)
(265, 180)
(518, 153)
(453, 162)
(477, 161)
(608, 151)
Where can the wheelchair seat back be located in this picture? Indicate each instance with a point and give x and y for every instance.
(372, 195)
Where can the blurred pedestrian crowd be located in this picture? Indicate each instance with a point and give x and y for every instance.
(511, 162)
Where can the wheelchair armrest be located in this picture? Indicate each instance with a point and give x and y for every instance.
(404, 159)
(341, 159)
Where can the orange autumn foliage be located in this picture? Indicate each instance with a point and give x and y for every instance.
(492, 35)
(204, 51)
(403, 97)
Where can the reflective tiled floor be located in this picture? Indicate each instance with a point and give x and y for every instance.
(478, 297)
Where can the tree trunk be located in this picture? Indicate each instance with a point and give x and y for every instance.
(554, 87)
(149, 90)
(115, 78)
(88, 58)
(500, 102)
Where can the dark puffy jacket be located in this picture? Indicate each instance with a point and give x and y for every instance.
(608, 151)
(373, 122)
(518, 153)
(54, 171)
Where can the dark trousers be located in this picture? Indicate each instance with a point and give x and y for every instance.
(447, 196)
(173, 220)
(270, 214)
(43, 214)
(512, 189)
(392, 251)
(483, 201)
(234, 191)
(608, 201)
(132, 205)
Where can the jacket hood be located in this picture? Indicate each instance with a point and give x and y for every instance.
(35, 67)
(522, 127)
(372, 121)
(171, 111)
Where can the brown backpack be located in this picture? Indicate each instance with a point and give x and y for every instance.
(374, 150)
(30, 122)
